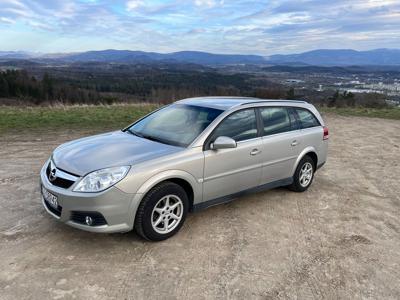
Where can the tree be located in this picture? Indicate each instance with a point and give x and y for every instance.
(270, 93)
(47, 87)
(4, 90)
(290, 94)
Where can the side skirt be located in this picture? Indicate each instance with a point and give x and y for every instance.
(225, 199)
(320, 166)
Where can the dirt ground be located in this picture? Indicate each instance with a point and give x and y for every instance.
(340, 239)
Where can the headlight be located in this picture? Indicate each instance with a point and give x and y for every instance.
(100, 180)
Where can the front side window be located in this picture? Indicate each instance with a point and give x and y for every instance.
(276, 120)
(177, 124)
(307, 119)
(240, 126)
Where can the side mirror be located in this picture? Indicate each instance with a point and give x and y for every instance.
(223, 142)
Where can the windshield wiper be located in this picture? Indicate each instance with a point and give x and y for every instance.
(155, 139)
(151, 138)
(159, 140)
(135, 133)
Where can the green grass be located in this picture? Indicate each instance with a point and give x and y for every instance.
(384, 113)
(70, 117)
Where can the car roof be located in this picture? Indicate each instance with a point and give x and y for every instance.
(228, 102)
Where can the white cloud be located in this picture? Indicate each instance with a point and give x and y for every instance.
(235, 26)
(134, 4)
(378, 3)
(208, 3)
(6, 20)
(13, 3)
(39, 25)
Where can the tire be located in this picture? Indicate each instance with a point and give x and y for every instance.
(156, 218)
(301, 184)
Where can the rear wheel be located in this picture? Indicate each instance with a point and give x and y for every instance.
(162, 212)
(304, 175)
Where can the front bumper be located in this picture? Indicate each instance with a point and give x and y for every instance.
(118, 208)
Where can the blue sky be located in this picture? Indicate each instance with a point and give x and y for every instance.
(219, 26)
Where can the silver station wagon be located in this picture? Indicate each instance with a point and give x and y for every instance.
(181, 158)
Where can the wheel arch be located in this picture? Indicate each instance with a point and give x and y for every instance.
(186, 186)
(310, 151)
(187, 181)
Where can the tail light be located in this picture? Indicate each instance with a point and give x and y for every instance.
(326, 133)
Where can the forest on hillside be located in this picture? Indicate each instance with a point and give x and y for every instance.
(93, 84)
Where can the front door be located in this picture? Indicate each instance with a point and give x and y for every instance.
(228, 171)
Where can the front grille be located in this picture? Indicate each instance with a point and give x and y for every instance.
(59, 181)
(55, 211)
(80, 217)
(63, 183)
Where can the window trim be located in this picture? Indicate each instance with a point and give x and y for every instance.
(207, 142)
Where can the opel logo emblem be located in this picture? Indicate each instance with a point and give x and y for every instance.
(52, 175)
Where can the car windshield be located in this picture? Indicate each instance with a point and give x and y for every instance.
(176, 124)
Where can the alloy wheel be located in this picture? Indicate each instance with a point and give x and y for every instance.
(306, 174)
(167, 214)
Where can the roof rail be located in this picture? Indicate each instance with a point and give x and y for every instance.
(272, 100)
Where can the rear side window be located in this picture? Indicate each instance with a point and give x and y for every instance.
(306, 118)
(276, 120)
(240, 126)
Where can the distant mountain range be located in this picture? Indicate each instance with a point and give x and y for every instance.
(341, 57)
(195, 57)
(322, 57)
(15, 55)
(127, 56)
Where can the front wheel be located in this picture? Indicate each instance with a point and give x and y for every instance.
(162, 212)
(304, 175)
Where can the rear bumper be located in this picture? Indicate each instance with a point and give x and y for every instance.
(322, 154)
(117, 208)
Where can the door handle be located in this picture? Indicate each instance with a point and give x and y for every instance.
(255, 152)
(294, 143)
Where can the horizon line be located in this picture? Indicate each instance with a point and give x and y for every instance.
(198, 51)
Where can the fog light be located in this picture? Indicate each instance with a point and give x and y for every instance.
(89, 221)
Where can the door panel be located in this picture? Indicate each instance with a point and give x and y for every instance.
(280, 143)
(229, 171)
(279, 154)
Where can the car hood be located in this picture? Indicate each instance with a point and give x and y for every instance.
(112, 149)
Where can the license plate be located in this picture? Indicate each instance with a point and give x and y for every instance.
(50, 198)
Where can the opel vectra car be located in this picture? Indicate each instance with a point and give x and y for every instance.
(183, 157)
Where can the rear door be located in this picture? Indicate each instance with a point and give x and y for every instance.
(280, 143)
(228, 171)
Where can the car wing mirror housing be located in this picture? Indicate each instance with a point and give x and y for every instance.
(223, 142)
